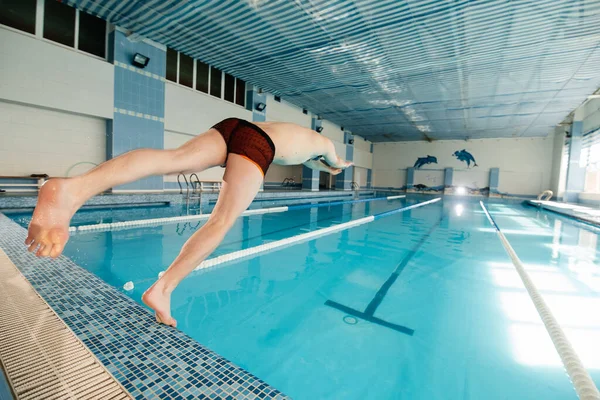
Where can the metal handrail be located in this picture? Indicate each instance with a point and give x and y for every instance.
(187, 186)
(197, 181)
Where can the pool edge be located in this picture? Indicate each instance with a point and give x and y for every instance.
(148, 359)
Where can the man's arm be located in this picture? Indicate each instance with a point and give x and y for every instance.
(321, 166)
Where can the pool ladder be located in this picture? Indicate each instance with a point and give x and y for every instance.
(288, 183)
(193, 193)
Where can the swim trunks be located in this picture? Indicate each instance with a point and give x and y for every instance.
(247, 140)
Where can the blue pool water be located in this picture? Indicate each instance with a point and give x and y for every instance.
(440, 271)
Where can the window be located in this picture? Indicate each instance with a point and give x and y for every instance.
(59, 23)
(92, 34)
(240, 92)
(215, 82)
(171, 65)
(277, 98)
(19, 14)
(229, 88)
(186, 70)
(209, 79)
(202, 76)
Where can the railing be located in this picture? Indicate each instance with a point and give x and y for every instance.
(288, 182)
(196, 185)
(187, 186)
(355, 186)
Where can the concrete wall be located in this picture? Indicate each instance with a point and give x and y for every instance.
(40, 73)
(558, 172)
(192, 112)
(525, 164)
(286, 112)
(54, 104)
(591, 110)
(43, 141)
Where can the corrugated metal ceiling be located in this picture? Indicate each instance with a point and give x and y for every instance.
(393, 70)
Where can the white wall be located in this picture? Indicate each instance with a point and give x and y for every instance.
(360, 176)
(277, 173)
(192, 112)
(42, 141)
(37, 72)
(525, 163)
(362, 144)
(591, 110)
(286, 112)
(557, 163)
(333, 132)
(362, 158)
(429, 177)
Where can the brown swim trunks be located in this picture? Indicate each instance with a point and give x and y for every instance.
(247, 140)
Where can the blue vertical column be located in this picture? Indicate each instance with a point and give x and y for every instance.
(494, 182)
(370, 171)
(448, 178)
(254, 99)
(310, 177)
(575, 172)
(410, 178)
(343, 181)
(139, 103)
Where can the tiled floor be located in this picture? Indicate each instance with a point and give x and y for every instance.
(149, 360)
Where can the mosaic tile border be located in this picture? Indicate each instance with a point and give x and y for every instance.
(149, 360)
(30, 200)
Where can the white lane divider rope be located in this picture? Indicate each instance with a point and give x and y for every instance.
(582, 382)
(201, 217)
(252, 251)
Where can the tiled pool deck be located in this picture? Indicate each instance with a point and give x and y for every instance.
(29, 201)
(148, 359)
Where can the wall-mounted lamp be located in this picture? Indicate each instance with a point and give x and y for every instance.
(140, 60)
(260, 107)
(350, 141)
(319, 129)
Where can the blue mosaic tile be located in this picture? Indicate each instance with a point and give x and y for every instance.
(148, 359)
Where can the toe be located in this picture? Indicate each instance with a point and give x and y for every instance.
(32, 246)
(40, 250)
(56, 250)
(45, 251)
(29, 240)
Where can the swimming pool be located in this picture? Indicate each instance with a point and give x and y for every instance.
(438, 271)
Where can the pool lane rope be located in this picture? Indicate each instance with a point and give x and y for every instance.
(200, 217)
(582, 382)
(278, 244)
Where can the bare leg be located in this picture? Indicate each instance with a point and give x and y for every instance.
(60, 198)
(241, 183)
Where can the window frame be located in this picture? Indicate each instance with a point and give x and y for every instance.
(39, 31)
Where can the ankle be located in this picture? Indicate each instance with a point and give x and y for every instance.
(164, 286)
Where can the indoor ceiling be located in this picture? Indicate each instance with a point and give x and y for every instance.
(392, 70)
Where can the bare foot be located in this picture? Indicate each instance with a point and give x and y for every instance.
(49, 226)
(160, 301)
